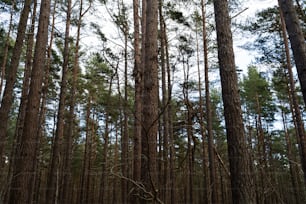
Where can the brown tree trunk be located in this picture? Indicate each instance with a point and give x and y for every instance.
(6, 48)
(45, 89)
(24, 167)
(150, 101)
(292, 164)
(298, 47)
(296, 108)
(137, 73)
(125, 136)
(24, 95)
(68, 139)
(211, 151)
(206, 180)
(86, 158)
(189, 130)
(241, 181)
(57, 153)
(104, 178)
(7, 99)
(262, 157)
(165, 182)
(172, 181)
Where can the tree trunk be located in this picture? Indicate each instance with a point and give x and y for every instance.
(6, 48)
(150, 101)
(57, 153)
(297, 113)
(298, 47)
(165, 182)
(137, 73)
(211, 151)
(206, 179)
(125, 136)
(68, 139)
(24, 167)
(291, 162)
(24, 95)
(7, 99)
(241, 181)
(172, 184)
(46, 82)
(86, 158)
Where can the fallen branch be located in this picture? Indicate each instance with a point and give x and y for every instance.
(148, 196)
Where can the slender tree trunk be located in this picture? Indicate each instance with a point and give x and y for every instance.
(86, 158)
(165, 182)
(297, 113)
(68, 139)
(6, 49)
(137, 73)
(241, 181)
(212, 168)
(24, 168)
(262, 156)
(23, 103)
(104, 177)
(7, 99)
(125, 137)
(298, 47)
(188, 122)
(46, 82)
(172, 184)
(291, 161)
(116, 159)
(206, 180)
(57, 154)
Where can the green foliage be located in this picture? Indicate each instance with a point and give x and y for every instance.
(3, 41)
(96, 75)
(268, 42)
(176, 15)
(257, 95)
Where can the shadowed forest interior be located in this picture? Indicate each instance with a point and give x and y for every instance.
(146, 101)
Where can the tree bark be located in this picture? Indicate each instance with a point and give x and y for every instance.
(6, 48)
(241, 181)
(288, 16)
(23, 174)
(125, 136)
(137, 73)
(7, 99)
(57, 153)
(211, 151)
(150, 101)
(298, 44)
(24, 97)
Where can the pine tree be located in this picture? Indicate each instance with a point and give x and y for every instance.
(241, 181)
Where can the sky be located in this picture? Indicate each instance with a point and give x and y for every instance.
(243, 57)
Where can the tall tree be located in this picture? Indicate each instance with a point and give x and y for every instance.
(212, 168)
(137, 73)
(258, 97)
(241, 181)
(56, 157)
(7, 99)
(298, 47)
(24, 165)
(6, 47)
(165, 180)
(150, 101)
(296, 108)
